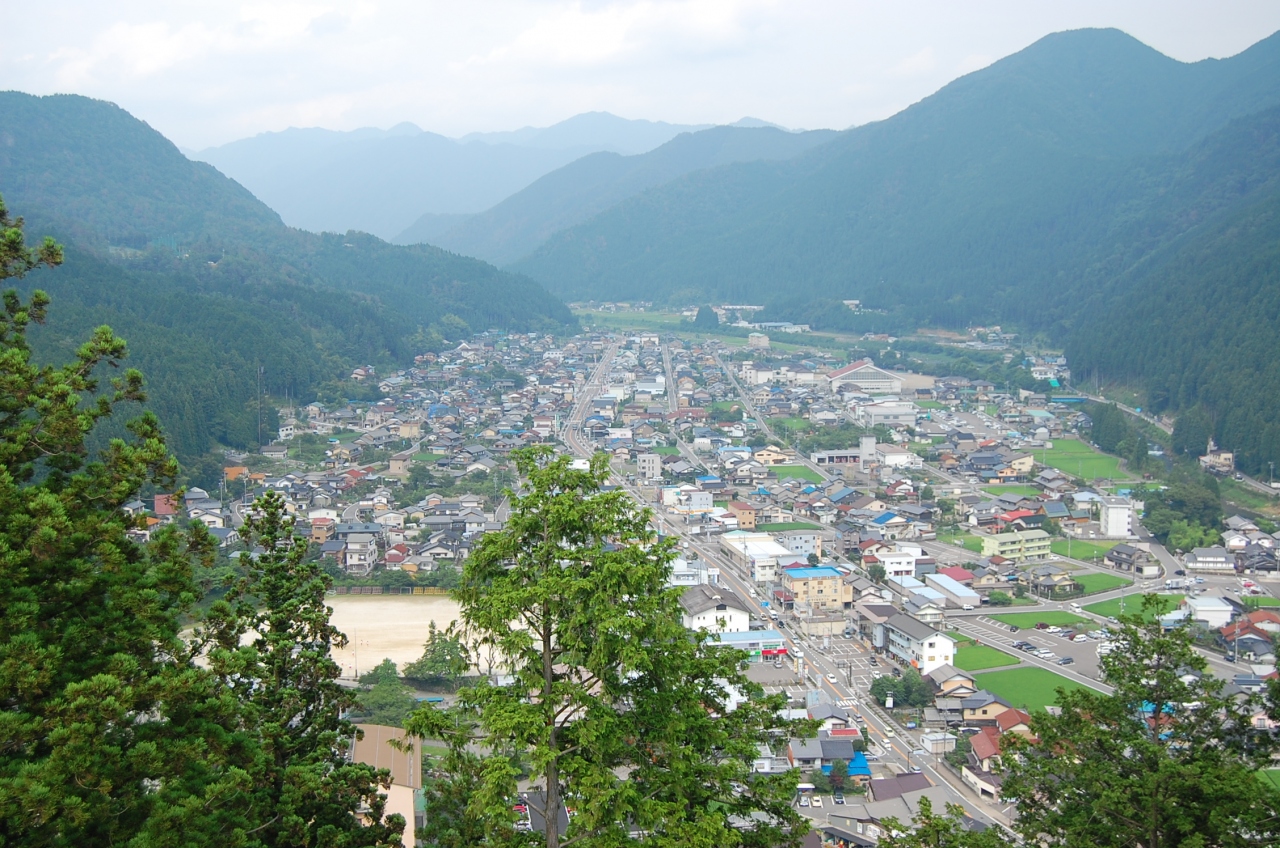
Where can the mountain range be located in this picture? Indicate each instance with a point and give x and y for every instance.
(1088, 190)
(385, 181)
(208, 284)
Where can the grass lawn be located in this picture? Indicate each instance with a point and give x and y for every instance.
(930, 404)
(1262, 601)
(800, 472)
(1079, 459)
(1094, 583)
(1081, 550)
(970, 543)
(972, 657)
(726, 405)
(791, 423)
(427, 456)
(1132, 605)
(787, 525)
(1030, 688)
(667, 451)
(1031, 619)
(1271, 776)
(1025, 491)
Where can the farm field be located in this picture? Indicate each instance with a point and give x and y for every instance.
(967, 541)
(1024, 620)
(1074, 457)
(1094, 583)
(1077, 549)
(1132, 605)
(1031, 688)
(427, 456)
(1025, 491)
(800, 472)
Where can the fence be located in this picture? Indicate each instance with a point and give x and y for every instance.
(388, 590)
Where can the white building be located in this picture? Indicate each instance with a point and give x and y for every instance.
(1115, 514)
(714, 609)
(1214, 612)
(757, 552)
(1210, 559)
(801, 542)
(863, 376)
(649, 465)
(893, 456)
(916, 643)
(889, 413)
(897, 563)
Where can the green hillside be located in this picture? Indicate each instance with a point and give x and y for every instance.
(208, 285)
(1064, 190)
(592, 184)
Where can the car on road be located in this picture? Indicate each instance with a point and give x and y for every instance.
(915, 769)
(889, 733)
(831, 678)
(1066, 661)
(817, 802)
(873, 660)
(897, 672)
(1180, 573)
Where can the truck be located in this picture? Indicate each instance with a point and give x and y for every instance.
(1173, 584)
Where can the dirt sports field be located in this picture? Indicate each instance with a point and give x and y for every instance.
(386, 626)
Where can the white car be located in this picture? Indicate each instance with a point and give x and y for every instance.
(831, 678)
(817, 802)
(804, 800)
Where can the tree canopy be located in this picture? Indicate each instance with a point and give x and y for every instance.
(604, 679)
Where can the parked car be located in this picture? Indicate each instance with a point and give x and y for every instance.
(817, 802)
(838, 798)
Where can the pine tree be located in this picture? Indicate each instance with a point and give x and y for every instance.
(270, 643)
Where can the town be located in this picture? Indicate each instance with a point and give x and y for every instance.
(936, 529)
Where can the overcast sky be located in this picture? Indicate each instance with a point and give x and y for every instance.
(205, 72)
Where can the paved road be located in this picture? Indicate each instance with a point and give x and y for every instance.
(839, 660)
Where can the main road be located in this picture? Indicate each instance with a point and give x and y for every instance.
(895, 742)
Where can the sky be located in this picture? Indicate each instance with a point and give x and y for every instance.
(205, 73)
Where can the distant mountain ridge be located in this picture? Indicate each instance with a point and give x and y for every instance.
(920, 200)
(592, 184)
(1090, 189)
(382, 181)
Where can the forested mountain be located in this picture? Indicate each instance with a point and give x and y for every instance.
(207, 284)
(1068, 189)
(592, 184)
(994, 179)
(383, 181)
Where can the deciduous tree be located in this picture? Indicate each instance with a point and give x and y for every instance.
(1167, 759)
(606, 681)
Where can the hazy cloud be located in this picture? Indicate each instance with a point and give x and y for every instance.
(206, 72)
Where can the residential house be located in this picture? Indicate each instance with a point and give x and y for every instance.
(715, 609)
(916, 644)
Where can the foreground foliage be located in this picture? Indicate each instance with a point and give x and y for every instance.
(604, 681)
(111, 733)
